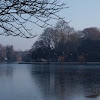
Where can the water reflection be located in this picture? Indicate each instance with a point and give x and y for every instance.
(16, 83)
(67, 82)
(49, 82)
(6, 71)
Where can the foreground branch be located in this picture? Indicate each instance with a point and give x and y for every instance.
(15, 14)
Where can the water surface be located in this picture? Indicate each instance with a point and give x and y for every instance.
(48, 82)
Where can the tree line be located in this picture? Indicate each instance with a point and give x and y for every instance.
(60, 44)
(7, 53)
(65, 44)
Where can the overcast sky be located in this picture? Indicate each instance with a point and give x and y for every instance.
(81, 13)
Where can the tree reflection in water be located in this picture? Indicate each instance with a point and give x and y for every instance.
(6, 70)
(66, 82)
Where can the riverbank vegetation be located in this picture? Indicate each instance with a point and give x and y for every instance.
(60, 44)
(65, 44)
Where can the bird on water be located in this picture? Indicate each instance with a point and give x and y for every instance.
(95, 95)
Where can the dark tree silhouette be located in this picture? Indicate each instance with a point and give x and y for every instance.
(92, 33)
(15, 14)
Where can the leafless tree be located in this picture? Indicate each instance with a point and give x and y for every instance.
(16, 14)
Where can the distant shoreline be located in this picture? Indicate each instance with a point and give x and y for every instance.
(67, 63)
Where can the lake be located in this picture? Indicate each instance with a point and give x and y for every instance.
(49, 82)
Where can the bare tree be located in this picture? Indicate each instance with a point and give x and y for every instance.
(47, 39)
(15, 14)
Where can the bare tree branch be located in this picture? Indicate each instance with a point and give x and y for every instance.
(15, 14)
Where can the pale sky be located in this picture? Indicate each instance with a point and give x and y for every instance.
(81, 13)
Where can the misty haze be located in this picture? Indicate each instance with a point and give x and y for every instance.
(49, 50)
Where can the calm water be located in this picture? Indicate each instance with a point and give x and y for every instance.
(48, 82)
